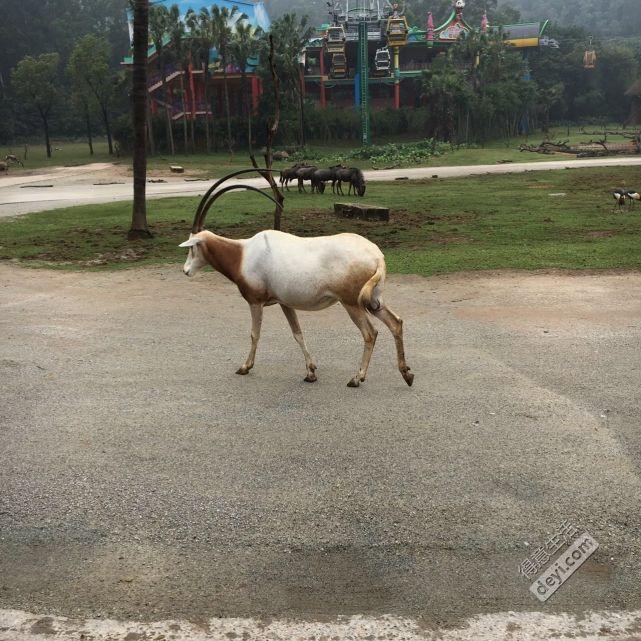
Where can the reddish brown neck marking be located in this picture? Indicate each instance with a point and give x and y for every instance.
(224, 255)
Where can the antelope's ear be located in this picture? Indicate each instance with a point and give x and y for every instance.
(194, 240)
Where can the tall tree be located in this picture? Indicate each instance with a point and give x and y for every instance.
(244, 48)
(180, 51)
(89, 69)
(221, 20)
(291, 34)
(139, 93)
(84, 104)
(159, 27)
(35, 81)
(201, 32)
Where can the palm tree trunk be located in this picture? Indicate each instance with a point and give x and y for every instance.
(247, 108)
(139, 226)
(206, 99)
(184, 104)
(227, 110)
(165, 93)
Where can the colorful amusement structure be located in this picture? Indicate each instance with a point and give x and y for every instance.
(365, 56)
(391, 53)
(190, 81)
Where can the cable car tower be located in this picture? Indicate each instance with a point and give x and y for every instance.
(360, 22)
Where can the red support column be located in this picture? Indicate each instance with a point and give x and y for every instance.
(192, 91)
(397, 95)
(255, 87)
(323, 96)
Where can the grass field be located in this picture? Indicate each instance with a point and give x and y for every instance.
(486, 222)
(215, 164)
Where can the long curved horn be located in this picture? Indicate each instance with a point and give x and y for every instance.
(199, 218)
(198, 223)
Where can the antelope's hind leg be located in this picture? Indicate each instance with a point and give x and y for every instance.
(361, 320)
(292, 319)
(257, 320)
(395, 325)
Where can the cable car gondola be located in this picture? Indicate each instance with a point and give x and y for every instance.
(335, 39)
(589, 57)
(382, 62)
(339, 66)
(397, 31)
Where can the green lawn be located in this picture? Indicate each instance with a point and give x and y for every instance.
(486, 222)
(64, 154)
(216, 164)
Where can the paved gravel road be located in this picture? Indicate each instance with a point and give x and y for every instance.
(69, 186)
(141, 479)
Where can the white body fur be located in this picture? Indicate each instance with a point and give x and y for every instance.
(308, 273)
(304, 274)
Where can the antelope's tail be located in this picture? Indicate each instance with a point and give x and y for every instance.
(370, 295)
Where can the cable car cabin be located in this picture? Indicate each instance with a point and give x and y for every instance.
(382, 62)
(339, 66)
(589, 60)
(335, 40)
(397, 31)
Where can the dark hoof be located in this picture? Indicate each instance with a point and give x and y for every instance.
(242, 371)
(310, 378)
(409, 378)
(354, 382)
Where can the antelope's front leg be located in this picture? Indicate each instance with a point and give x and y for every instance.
(257, 319)
(292, 319)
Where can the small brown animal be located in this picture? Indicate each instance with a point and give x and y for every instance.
(14, 159)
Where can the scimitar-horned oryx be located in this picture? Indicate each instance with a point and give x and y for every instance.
(299, 274)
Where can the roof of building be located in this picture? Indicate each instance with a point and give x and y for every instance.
(254, 10)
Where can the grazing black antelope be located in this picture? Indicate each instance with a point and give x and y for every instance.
(299, 274)
(287, 175)
(322, 176)
(353, 176)
(303, 174)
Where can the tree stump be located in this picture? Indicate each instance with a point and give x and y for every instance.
(361, 212)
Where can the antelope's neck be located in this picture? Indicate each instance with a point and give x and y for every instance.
(225, 255)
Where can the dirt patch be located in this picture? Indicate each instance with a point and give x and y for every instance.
(601, 234)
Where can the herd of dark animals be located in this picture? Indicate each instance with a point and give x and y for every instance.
(339, 174)
(318, 178)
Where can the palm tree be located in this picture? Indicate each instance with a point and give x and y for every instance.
(292, 36)
(221, 18)
(159, 25)
(180, 52)
(139, 92)
(243, 47)
(200, 29)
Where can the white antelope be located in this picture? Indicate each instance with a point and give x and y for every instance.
(299, 274)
